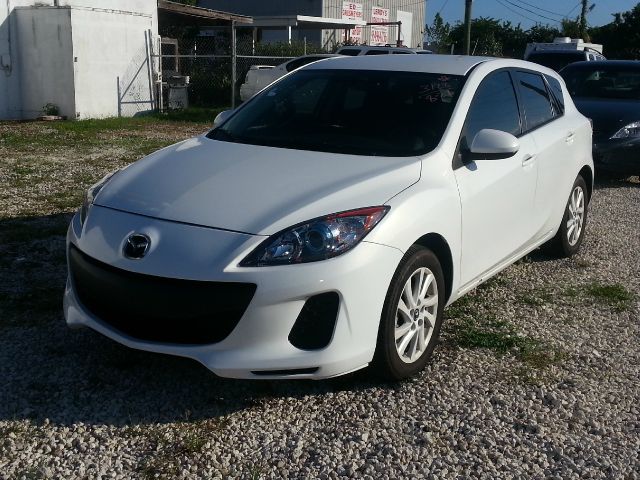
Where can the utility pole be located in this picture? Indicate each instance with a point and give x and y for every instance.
(467, 26)
(582, 26)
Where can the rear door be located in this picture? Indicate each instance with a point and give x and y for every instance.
(496, 195)
(553, 133)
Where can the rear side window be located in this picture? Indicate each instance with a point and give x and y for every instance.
(377, 52)
(494, 106)
(556, 93)
(352, 52)
(535, 99)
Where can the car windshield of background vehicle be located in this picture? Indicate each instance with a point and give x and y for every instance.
(556, 61)
(603, 83)
(359, 112)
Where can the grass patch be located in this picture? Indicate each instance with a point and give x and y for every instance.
(535, 298)
(615, 295)
(502, 338)
(199, 115)
(169, 449)
(461, 307)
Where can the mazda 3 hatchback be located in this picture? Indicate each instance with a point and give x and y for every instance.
(324, 225)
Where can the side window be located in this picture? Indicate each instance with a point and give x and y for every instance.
(351, 52)
(493, 106)
(299, 62)
(535, 99)
(377, 52)
(556, 93)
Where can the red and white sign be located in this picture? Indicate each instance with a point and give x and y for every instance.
(353, 11)
(379, 33)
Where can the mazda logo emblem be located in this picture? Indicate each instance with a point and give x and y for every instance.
(136, 246)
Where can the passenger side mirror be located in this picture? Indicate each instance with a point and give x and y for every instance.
(222, 117)
(493, 144)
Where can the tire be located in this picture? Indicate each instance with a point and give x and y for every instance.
(567, 240)
(420, 327)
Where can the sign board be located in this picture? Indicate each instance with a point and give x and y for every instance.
(406, 29)
(379, 33)
(353, 11)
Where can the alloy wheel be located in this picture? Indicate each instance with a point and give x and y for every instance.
(576, 215)
(416, 315)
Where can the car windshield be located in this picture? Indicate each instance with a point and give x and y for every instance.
(603, 82)
(556, 60)
(360, 112)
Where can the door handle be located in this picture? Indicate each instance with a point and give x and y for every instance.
(569, 137)
(528, 160)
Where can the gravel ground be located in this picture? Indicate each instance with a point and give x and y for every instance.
(537, 374)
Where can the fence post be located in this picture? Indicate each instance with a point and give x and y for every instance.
(233, 64)
(119, 98)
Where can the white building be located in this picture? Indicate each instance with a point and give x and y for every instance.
(90, 58)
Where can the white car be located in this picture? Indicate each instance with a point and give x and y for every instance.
(259, 76)
(307, 235)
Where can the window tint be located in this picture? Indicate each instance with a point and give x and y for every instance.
(345, 111)
(401, 52)
(556, 90)
(535, 99)
(377, 52)
(494, 106)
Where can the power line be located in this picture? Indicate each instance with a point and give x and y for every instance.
(576, 6)
(542, 9)
(531, 11)
(443, 5)
(516, 12)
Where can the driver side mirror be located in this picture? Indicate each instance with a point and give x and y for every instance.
(222, 117)
(489, 144)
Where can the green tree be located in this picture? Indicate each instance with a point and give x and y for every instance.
(620, 38)
(438, 34)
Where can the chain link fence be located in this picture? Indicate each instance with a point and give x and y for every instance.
(215, 69)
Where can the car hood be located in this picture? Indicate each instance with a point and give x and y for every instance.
(253, 189)
(608, 115)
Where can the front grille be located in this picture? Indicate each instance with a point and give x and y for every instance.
(158, 309)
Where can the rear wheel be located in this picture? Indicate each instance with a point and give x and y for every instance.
(412, 315)
(567, 241)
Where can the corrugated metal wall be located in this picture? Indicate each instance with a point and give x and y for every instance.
(327, 8)
(266, 7)
(333, 8)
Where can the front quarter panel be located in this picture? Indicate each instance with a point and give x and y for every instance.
(432, 205)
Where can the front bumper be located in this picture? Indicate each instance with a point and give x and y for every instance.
(618, 155)
(259, 342)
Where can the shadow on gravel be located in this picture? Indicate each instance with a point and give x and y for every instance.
(71, 376)
(608, 180)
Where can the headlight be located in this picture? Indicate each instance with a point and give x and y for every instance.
(317, 239)
(628, 131)
(90, 195)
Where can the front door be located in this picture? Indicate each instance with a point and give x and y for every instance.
(497, 195)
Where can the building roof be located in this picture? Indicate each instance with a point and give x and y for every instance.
(178, 12)
(305, 21)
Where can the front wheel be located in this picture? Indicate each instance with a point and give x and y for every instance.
(412, 315)
(567, 241)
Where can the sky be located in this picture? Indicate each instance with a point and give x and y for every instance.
(528, 12)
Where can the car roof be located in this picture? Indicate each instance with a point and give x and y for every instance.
(449, 64)
(605, 64)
